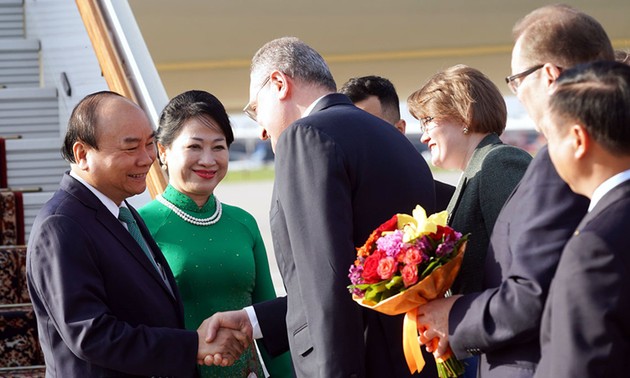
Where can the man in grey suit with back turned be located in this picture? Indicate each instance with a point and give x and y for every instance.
(502, 323)
(585, 325)
(105, 299)
(340, 173)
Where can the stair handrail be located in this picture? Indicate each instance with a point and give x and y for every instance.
(126, 64)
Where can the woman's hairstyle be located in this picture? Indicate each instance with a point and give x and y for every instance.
(192, 104)
(464, 94)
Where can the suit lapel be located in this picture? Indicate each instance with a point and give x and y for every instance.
(157, 253)
(474, 166)
(128, 242)
(454, 202)
(617, 193)
(113, 225)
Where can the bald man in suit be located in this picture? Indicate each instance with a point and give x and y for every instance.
(105, 299)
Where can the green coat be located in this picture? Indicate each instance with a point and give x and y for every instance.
(491, 175)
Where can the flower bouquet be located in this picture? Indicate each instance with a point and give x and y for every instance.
(406, 262)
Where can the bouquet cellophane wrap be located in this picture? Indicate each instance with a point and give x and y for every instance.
(432, 287)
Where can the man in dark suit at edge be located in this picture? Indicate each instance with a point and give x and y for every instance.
(340, 173)
(502, 323)
(585, 325)
(106, 305)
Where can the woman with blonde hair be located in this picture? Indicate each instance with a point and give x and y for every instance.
(462, 114)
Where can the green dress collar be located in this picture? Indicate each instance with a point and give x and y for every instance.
(186, 203)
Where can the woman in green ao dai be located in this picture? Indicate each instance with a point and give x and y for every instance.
(215, 250)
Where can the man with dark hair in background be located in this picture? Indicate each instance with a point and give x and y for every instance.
(377, 96)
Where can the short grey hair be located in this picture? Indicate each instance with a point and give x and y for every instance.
(295, 58)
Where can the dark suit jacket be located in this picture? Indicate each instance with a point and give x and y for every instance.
(586, 323)
(443, 194)
(503, 321)
(340, 173)
(491, 175)
(102, 308)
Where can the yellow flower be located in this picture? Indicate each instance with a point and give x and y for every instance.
(419, 225)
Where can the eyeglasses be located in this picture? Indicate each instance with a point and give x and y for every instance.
(249, 108)
(515, 81)
(424, 124)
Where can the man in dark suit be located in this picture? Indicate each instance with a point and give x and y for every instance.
(105, 299)
(339, 173)
(377, 95)
(502, 323)
(585, 325)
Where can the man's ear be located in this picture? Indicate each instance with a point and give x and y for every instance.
(551, 72)
(401, 125)
(80, 151)
(581, 141)
(281, 83)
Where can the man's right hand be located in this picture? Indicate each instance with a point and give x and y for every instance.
(236, 322)
(226, 347)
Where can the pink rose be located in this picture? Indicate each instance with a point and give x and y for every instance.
(413, 256)
(409, 275)
(386, 268)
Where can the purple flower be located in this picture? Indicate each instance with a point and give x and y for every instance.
(453, 236)
(445, 248)
(355, 274)
(424, 244)
(391, 243)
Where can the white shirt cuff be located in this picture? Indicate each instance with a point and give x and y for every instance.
(253, 319)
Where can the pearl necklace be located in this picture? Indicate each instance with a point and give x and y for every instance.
(214, 218)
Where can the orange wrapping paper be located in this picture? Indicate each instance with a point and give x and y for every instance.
(431, 287)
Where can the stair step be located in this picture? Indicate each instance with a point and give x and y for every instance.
(19, 62)
(19, 44)
(27, 93)
(35, 163)
(11, 19)
(29, 112)
(11, 3)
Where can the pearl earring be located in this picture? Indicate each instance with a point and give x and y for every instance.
(164, 166)
(465, 130)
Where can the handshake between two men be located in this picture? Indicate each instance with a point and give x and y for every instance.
(223, 337)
